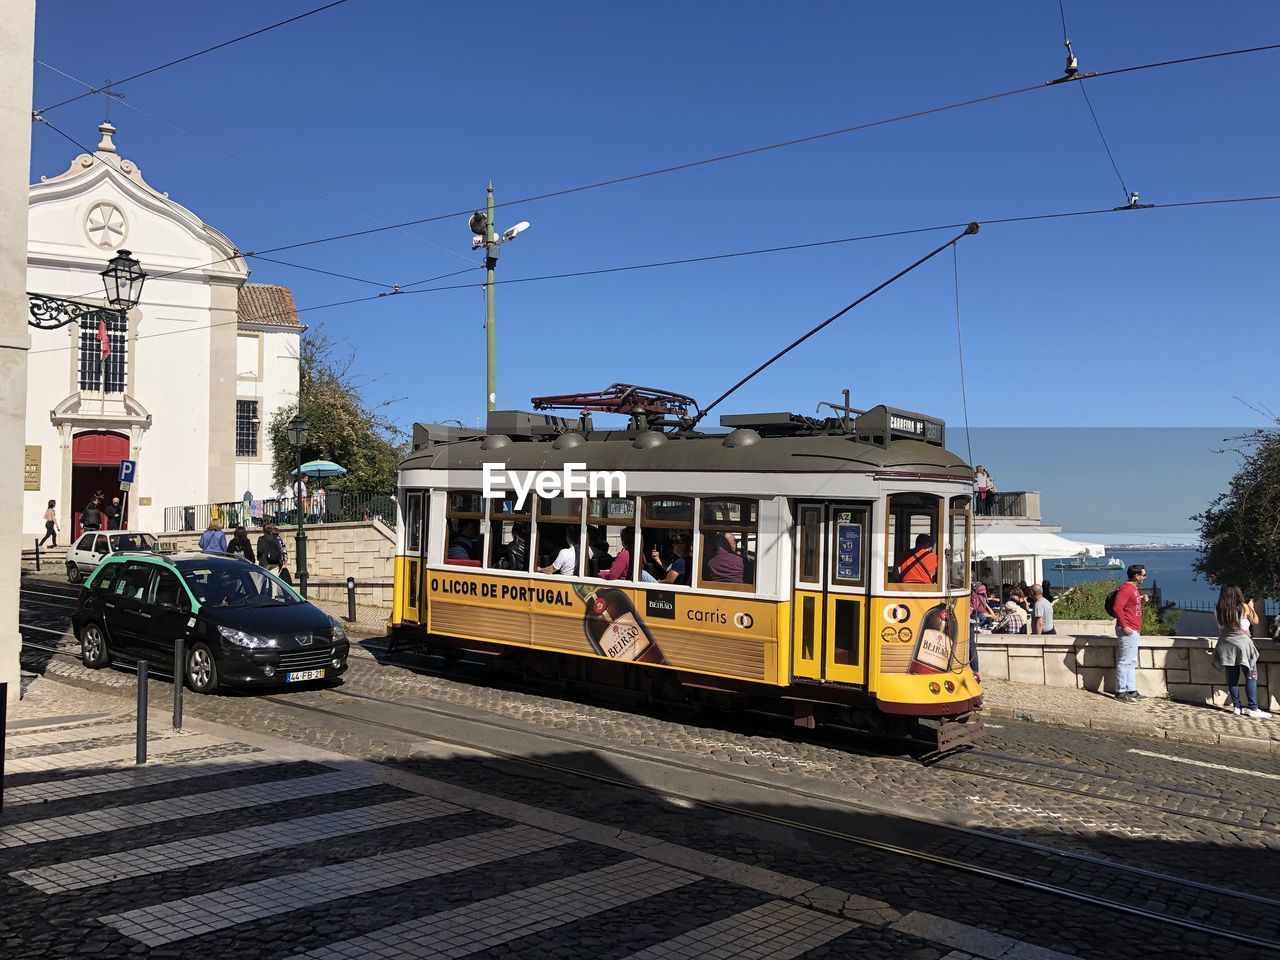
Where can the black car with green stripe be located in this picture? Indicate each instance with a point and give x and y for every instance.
(243, 626)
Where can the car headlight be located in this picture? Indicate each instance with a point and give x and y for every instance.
(247, 640)
(338, 632)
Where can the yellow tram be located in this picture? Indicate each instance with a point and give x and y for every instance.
(817, 563)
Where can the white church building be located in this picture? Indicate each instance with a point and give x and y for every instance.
(185, 385)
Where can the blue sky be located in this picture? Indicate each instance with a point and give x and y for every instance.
(403, 110)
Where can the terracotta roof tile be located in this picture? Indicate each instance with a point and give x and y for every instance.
(267, 304)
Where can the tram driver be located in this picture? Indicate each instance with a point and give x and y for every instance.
(921, 564)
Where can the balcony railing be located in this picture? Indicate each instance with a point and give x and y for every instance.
(332, 508)
(1014, 504)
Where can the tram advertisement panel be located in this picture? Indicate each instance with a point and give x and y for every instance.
(727, 636)
(921, 636)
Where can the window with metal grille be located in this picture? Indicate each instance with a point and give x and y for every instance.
(246, 428)
(99, 373)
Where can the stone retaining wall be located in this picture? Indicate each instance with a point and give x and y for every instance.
(363, 549)
(1180, 668)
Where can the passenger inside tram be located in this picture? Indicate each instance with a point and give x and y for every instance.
(921, 564)
(676, 569)
(566, 560)
(464, 543)
(620, 569)
(723, 563)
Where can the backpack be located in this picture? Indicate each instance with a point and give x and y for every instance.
(269, 552)
(1110, 603)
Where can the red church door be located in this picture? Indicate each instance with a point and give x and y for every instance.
(95, 470)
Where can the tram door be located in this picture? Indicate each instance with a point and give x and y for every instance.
(829, 625)
(413, 598)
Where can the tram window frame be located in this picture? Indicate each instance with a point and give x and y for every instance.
(657, 530)
(747, 535)
(914, 504)
(594, 519)
(547, 515)
(502, 519)
(457, 510)
(413, 502)
(809, 536)
(960, 509)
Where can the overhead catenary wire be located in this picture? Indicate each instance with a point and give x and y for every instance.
(992, 221)
(257, 166)
(191, 56)
(964, 394)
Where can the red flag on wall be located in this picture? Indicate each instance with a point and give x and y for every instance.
(103, 339)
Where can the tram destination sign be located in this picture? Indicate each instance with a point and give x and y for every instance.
(849, 551)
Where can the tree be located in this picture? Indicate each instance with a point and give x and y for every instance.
(1240, 529)
(343, 428)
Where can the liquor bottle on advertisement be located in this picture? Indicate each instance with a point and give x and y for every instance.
(614, 628)
(935, 644)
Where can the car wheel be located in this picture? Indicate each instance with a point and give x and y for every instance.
(202, 672)
(73, 573)
(93, 647)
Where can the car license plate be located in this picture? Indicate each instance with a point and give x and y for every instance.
(298, 675)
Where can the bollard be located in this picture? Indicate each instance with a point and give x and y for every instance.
(142, 712)
(351, 599)
(37, 556)
(4, 725)
(179, 680)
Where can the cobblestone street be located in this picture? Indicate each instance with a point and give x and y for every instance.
(737, 822)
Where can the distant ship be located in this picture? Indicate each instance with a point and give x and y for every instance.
(1090, 563)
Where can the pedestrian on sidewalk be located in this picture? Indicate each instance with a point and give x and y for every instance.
(112, 513)
(1236, 652)
(91, 516)
(240, 545)
(271, 549)
(51, 528)
(1128, 614)
(213, 538)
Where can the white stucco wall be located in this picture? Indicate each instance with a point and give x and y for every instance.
(275, 386)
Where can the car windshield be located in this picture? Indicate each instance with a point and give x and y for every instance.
(235, 584)
(133, 541)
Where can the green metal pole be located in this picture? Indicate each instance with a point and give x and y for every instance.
(301, 542)
(491, 334)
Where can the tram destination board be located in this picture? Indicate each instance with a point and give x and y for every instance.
(848, 550)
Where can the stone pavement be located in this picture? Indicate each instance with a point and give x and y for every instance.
(1156, 717)
(234, 843)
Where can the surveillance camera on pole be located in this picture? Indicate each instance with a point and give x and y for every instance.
(481, 224)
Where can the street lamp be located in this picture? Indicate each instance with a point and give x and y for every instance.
(297, 432)
(487, 236)
(122, 281)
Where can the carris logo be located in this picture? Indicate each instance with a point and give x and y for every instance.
(898, 613)
(743, 621)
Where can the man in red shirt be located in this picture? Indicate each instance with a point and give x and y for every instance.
(1128, 609)
(921, 565)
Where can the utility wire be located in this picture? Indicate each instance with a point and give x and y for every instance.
(256, 166)
(1105, 146)
(784, 143)
(327, 273)
(1031, 218)
(964, 395)
(191, 56)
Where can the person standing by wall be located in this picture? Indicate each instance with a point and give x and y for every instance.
(1041, 612)
(1128, 614)
(112, 513)
(213, 538)
(271, 549)
(1236, 652)
(981, 490)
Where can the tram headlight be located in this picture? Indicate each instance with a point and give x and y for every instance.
(934, 688)
(949, 686)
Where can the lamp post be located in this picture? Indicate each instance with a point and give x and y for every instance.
(487, 236)
(297, 431)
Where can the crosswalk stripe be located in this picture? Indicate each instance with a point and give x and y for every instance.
(487, 923)
(47, 791)
(43, 738)
(777, 930)
(181, 854)
(177, 808)
(101, 756)
(192, 916)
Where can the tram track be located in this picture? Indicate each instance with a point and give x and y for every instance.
(1158, 885)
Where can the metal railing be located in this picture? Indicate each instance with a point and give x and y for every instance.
(333, 507)
(1014, 503)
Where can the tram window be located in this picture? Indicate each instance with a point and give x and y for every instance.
(463, 514)
(810, 559)
(958, 547)
(413, 523)
(509, 534)
(730, 543)
(558, 532)
(611, 527)
(666, 540)
(912, 540)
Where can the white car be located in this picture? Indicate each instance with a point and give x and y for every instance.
(94, 546)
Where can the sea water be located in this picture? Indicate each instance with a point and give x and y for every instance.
(1172, 570)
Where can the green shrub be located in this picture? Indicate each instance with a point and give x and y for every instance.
(1087, 601)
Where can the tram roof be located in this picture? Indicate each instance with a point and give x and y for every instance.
(837, 448)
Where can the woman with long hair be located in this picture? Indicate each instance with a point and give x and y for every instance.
(1236, 652)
